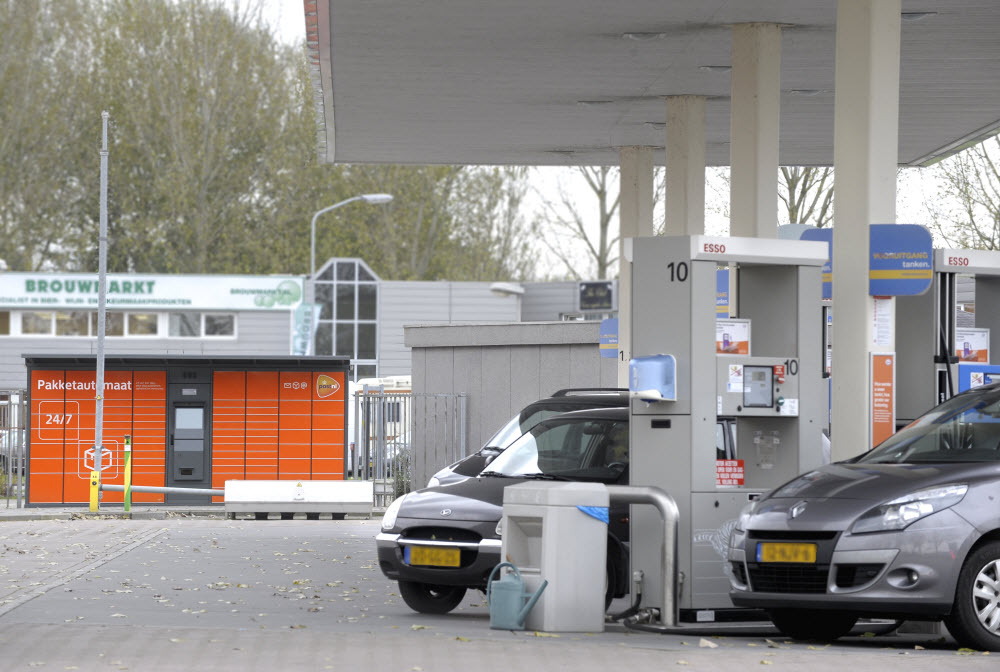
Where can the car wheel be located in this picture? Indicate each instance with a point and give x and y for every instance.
(975, 617)
(610, 578)
(809, 624)
(430, 599)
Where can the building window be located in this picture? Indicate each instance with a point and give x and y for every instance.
(347, 292)
(36, 323)
(72, 324)
(114, 324)
(220, 325)
(83, 324)
(184, 325)
(142, 324)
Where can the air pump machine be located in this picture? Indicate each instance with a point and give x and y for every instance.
(682, 385)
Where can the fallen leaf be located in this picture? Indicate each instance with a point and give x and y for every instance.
(420, 627)
(918, 648)
(682, 662)
(462, 639)
(765, 662)
(544, 634)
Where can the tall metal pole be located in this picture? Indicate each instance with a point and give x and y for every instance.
(102, 292)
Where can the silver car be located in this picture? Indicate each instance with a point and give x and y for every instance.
(910, 530)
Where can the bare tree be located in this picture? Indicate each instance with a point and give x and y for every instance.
(568, 225)
(965, 211)
(807, 194)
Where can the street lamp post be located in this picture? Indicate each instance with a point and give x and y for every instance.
(372, 199)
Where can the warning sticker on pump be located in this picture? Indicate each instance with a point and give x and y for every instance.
(728, 473)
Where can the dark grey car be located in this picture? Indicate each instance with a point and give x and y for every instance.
(438, 542)
(910, 530)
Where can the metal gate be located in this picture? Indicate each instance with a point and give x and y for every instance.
(13, 460)
(398, 433)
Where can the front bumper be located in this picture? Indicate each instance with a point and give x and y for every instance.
(909, 573)
(478, 560)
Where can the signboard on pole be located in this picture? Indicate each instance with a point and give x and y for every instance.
(882, 396)
(722, 293)
(901, 261)
(608, 338)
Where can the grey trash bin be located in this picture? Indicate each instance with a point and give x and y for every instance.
(558, 532)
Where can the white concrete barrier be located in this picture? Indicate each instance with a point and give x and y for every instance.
(289, 497)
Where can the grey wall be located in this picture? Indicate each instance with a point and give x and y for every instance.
(258, 333)
(403, 303)
(502, 368)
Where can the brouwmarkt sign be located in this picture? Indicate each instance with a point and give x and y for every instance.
(33, 291)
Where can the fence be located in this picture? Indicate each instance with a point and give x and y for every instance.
(397, 431)
(13, 421)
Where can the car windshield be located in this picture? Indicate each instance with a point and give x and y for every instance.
(521, 423)
(965, 428)
(579, 449)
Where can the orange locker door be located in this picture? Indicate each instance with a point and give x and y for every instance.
(48, 434)
(229, 431)
(262, 392)
(295, 418)
(328, 403)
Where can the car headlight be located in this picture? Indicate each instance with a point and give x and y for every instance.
(499, 529)
(744, 518)
(433, 482)
(389, 517)
(903, 511)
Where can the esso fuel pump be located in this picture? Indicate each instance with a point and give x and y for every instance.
(757, 379)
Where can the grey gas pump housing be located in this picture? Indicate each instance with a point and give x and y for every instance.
(779, 418)
(927, 368)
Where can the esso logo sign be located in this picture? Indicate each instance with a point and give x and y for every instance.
(958, 261)
(714, 248)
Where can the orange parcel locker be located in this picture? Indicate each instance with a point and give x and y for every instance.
(262, 392)
(149, 433)
(328, 405)
(48, 428)
(229, 431)
(295, 419)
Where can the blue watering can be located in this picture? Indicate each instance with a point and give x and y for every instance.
(506, 599)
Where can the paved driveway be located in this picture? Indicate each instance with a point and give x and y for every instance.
(212, 594)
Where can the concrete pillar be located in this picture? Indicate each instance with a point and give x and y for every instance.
(753, 136)
(635, 214)
(866, 129)
(684, 200)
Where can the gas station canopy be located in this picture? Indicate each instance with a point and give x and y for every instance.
(568, 82)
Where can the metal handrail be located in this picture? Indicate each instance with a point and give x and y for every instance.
(642, 494)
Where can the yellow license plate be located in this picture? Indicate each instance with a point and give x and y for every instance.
(786, 552)
(434, 556)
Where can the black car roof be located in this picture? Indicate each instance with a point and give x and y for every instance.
(618, 413)
(581, 399)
